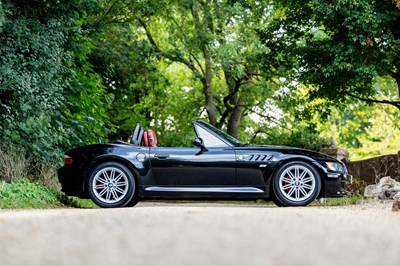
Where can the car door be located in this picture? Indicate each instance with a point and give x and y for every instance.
(193, 167)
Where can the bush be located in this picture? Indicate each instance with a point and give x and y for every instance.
(21, 193)
(50, 97)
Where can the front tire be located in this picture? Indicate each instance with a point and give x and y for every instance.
(111, 185)
(296, 184)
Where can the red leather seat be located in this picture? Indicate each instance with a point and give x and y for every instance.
(149, 138)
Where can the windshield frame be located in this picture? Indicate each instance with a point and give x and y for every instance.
(228, 139)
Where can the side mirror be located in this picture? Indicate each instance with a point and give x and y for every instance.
(198, 142)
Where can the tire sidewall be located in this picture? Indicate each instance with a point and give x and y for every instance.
(281, 198)
(131, 186)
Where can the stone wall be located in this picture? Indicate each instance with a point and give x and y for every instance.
(369, 170)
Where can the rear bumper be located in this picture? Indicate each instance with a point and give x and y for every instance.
(72, 181)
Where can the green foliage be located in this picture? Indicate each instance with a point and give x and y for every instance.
(2, 18)
(217, 43)
(82, 115)
(344, 46)
(50, 97)
(80, 203)
(21, 193)
(365, 130)
(173, 105)
(31, 59)
(349, 200)
(85, 71)
(300, 136)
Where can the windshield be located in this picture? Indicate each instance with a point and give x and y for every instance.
(228, 138)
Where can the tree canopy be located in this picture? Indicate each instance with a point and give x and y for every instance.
(344, 46)
(85, 71)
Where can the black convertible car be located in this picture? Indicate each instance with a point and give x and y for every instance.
(218, 167)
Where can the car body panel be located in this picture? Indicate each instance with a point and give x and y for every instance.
(191, 167)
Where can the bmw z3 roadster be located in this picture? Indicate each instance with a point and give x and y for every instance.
(216, 167)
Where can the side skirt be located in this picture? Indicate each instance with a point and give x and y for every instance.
(203, 192)
(208, 189)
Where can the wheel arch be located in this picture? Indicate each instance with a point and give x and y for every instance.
(307, 160)
(115, 159)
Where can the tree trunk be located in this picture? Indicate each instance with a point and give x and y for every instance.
(234, 121)
(234, 105)
(207, 89)
(206, 80)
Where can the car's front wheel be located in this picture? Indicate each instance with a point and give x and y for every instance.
(111, 185)
(296, 184)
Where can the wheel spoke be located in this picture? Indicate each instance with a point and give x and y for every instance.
(99, 186)
(285, 187)
(121, 191)
(297, 193)
(105, 175)
(114, 194)
(287, 180)
(301, 189)
(112, 174)
(296, 172)
(118, 177)
(100, 179)
(103, 191)
(307, 186)
(108, 195)
(308, 179)
(120, 184)
(290, 193)
(291, 175)
(303, 175)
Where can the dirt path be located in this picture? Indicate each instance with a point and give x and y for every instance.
(201, 235)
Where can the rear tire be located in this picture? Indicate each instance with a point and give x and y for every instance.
(296, 184)
(112, 185)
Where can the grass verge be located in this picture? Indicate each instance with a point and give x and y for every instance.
(24, 194)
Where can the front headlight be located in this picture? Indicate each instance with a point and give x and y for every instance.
(335, 167)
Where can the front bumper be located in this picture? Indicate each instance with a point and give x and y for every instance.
(343, 177)
(335, 184)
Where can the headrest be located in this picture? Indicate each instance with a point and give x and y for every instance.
(149, 138)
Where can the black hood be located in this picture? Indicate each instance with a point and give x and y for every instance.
(291, 151)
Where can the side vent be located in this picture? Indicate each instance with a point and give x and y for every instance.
(260, 157)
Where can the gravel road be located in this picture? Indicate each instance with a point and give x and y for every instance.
(202, 234)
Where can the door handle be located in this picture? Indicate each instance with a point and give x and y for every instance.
(162, 156)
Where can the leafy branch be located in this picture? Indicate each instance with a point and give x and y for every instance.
(368, 100)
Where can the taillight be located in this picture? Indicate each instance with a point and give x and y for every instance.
(67, 160)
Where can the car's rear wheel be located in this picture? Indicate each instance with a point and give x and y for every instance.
(296, 184)
(112, 185)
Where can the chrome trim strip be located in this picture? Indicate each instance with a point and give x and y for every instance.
(201, 189)
(334, 175)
